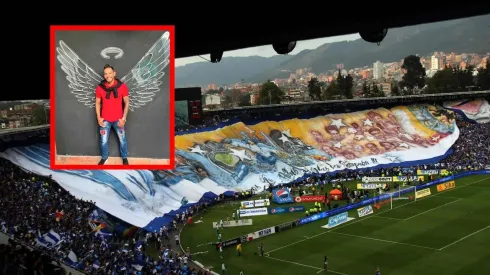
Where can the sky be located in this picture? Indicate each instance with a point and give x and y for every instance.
(268, 51)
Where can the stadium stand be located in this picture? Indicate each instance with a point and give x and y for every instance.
(67, 238)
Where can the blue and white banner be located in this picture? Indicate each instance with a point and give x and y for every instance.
(282, 196)
(49, 239)
(72, 259)
(364, 211)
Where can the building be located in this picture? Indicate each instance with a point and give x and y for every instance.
(434, 63)
(386, 88)
(378, 70)
(213, 99)
(212, 87)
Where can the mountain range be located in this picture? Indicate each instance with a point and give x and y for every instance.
(467, 35)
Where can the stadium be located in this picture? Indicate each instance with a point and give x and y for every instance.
(349, 186)
(424, 203)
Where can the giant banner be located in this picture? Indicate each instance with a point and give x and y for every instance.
(242, 156)
(279, 152)
(476, 110)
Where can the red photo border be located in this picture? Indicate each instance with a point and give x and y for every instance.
(52, 70)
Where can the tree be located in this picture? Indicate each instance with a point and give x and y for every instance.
(414, 77)
(331, 92)
(40, 115)
(270, 93)
(235, 96)
(444, 81)
(344, 85)
(376, 91)
(395, 91)
(314, 89)
(366, 90)
(244, 100)
(349, 83)
(465, 77)
(227, 102)
(483, 77)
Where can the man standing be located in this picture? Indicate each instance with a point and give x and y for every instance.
(109, 97)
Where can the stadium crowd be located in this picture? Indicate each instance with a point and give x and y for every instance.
(31, 207)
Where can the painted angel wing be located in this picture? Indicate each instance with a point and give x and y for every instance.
(82, 79)
(144, 78)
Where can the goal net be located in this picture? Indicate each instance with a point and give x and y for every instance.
(396, 197)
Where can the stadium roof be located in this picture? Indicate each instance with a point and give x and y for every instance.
(238, 31)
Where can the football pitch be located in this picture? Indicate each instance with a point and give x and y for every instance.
(445, 233)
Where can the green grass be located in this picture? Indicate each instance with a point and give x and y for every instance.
(445, 233)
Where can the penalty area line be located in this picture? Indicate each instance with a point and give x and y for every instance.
(465, 237)
(304, 265)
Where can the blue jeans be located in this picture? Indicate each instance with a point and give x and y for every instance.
(104, 139)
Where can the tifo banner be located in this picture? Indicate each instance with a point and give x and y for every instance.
(422, 193)
(271, 152)
(427, 172)
(338, 219)
(376, 179)
(242, 156)
(445, 186)
(252, 212)
(286, 209)
(476, 110)
(234, 223)
(371, 186)
(255, 203)
(364, 211)
(282, 196)
(410, 178)
(309, 199)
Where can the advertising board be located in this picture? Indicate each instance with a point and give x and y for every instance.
(260, 203)
(255, 203)
(338, 219)
(286, 209)
(364, 211)
(371, 186)
(286, 226)
(309, 199)
(427, 172)
(228, 243)
(445, 186)
(282, 196)
(422, 193)
(252, 212)
(234, 223)
(376, 179)
(405, 178)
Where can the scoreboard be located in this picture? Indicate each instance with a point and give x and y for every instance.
(192, 96)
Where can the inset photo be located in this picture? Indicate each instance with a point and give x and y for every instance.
(112, 97)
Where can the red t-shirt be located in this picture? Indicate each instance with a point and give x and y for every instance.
(112, 108)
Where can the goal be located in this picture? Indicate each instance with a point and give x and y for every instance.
(396, 197)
